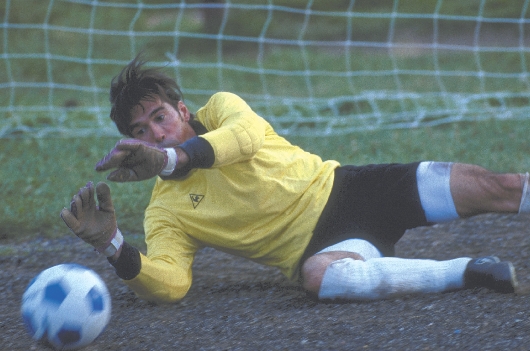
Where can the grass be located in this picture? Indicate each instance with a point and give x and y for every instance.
(41, 177)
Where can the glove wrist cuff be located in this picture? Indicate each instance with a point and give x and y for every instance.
(171, 162)
(114, 245)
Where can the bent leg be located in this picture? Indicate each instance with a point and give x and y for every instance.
(354, 269)
(388, 277)
(351, 278)
(381, 278)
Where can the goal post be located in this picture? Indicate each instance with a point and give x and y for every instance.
(309, 67)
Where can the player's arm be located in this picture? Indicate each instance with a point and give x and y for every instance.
(156, 278)
(164, 276)
(228, 132)
(235, 131)
(137, 160)
(96, 224)
(166, 270)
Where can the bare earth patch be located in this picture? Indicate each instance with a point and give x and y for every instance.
(235, 304)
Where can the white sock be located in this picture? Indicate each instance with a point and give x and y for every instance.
(386, 277)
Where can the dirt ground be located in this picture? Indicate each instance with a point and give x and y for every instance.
(238, 305)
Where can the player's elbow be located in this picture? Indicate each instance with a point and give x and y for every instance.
(168, 292)
(165, 296)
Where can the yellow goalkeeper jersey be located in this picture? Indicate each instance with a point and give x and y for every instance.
(260, 199)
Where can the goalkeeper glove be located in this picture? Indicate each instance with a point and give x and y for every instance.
(94, 224)
(137, 160)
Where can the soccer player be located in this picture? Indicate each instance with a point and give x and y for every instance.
(226, 180)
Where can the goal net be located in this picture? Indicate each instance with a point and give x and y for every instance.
(309, 67)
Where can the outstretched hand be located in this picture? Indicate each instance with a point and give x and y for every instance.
(135, 160)
(94, 224)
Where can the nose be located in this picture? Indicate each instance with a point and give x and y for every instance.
(158, 134)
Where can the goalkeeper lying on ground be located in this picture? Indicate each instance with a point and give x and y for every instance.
(227, 180)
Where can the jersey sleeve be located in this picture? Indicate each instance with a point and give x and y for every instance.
(235, 131)
(165, 275)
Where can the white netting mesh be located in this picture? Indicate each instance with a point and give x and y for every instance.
(309, 67)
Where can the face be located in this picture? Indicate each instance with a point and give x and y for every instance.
(158, 122)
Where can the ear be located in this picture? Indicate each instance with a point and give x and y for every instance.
(184, 112)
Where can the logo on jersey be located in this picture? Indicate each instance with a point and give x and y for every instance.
(196, 199)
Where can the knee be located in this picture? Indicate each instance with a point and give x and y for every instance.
(312, 272)
(314, 267)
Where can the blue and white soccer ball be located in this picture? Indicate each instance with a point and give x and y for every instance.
(67, 305)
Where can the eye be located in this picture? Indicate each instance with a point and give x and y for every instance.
(160, 117)
(138, 132)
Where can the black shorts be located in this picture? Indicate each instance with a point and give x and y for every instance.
(377, 203)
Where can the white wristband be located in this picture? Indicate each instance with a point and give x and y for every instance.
(114, 245)
(171, 162)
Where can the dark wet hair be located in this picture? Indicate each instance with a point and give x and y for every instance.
(136, 83)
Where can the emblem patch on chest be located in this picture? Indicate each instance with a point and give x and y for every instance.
(196, 199)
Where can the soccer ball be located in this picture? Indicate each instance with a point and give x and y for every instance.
(66, 305)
